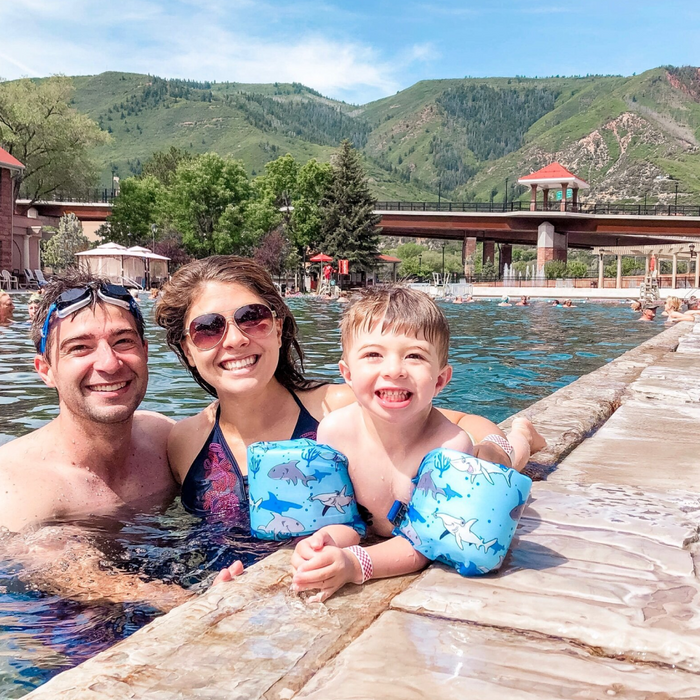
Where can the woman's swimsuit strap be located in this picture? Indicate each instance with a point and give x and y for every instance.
(214, 484)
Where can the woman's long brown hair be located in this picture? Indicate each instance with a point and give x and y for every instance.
(187, 283)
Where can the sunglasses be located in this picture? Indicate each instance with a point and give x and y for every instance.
(255, 321)
(73, 300)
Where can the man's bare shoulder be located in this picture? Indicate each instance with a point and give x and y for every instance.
(157, 425)
(24, 450)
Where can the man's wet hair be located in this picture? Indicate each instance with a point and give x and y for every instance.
(72, 278)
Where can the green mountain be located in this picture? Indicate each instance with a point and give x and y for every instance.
(629, 137)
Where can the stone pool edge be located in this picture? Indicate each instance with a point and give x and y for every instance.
(212, 646)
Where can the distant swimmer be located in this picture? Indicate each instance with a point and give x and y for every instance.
(505, 301)
(524, 301)
(555, 303)
(648, 314)
(568, 305)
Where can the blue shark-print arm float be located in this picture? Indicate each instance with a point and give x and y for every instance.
(296, 487)
(463, 511)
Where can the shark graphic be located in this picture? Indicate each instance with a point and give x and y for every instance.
(290, 473)
(282, 525)
(479, 467)
(337, 499)
(273, 504)
(321, 475)
(414, 515)
(334, 457)
(461, 530)
(409, 532)
(516, 512)
(426, 484)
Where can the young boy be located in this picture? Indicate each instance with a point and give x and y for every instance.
(395, 344)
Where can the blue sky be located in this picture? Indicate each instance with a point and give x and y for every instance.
(357, 51)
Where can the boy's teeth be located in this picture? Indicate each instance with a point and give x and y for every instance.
(240, 364)
(394, 395)
(109, 387)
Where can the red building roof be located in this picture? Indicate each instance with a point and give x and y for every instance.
(8, 161)
(553, 173)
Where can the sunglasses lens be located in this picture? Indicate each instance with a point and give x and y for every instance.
(255, 320)
(207, 331)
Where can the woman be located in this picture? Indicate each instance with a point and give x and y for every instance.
(231, 329)
(672, 309)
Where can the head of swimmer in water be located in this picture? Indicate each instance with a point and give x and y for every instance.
(189, 282)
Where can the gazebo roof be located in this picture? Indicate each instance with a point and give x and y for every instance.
(9, 161)
(552, 175)
(388, 259)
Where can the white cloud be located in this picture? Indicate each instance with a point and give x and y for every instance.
(206, 41)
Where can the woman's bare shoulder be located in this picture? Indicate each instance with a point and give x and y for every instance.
(325, 399)
(186, 439)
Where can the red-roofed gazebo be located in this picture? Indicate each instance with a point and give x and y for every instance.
(553, 176)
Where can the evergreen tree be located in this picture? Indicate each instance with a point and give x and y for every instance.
(68, 239)
(348, 222)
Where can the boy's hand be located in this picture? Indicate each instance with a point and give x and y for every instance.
(327, 569)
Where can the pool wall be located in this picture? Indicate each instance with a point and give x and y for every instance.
(598, 597)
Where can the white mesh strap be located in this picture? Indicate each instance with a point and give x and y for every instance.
(365, 561)
(501, 442)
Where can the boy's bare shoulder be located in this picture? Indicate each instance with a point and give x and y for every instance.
(447, 434)
(339, 424)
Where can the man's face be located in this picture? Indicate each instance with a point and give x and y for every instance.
(6, 305)
(97, 363)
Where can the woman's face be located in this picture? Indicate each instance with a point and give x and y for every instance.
(238, 364)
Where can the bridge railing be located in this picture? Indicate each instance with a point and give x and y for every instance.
(102, 196)
(600, 208)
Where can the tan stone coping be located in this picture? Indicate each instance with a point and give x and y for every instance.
(598, 597)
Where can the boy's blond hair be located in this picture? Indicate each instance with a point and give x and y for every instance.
(399, 310)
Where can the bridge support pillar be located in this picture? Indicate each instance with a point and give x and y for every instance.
(601, 271)
(505, 257)
(488, 254)
(468, 250)
(550, 245)
(618, 279)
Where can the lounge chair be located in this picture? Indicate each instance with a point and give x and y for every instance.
(8, 280)
(31, 280)
(39, 276)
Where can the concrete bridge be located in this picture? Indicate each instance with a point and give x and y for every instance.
(553, 229)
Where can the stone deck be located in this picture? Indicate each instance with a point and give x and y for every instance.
(599, 597)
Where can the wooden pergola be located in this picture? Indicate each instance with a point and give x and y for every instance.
(676, 250)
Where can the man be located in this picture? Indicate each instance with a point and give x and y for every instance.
(98, 453)
(6, 307)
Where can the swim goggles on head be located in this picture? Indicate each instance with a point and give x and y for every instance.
(253, 320)
(73, 300)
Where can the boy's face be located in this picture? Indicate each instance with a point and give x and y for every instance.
(394, 376)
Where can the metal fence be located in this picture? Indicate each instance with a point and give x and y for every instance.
(600, 208)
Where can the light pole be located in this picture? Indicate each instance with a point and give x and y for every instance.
(676, 202)
(154, 228)
(420, 265)
(505, 196)
(443, 263)
(439, 192)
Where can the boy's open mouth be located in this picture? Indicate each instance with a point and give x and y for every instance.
(393, 395)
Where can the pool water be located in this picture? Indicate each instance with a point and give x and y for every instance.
(504, 359)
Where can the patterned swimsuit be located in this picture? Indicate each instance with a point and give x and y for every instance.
(214, 485)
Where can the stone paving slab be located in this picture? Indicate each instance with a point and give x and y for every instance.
(246, 639)
(412, 657)
(574, 577)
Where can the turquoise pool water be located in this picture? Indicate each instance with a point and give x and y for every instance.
(504, 359)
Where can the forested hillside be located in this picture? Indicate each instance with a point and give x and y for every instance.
(630, 137)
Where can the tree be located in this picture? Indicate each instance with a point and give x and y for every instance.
(576, 268)
(51, 139)
(68, 239)
(554, 269)
(207, 203)
(138, 206)
(348, 221)
(273, 252)
(163, 164)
